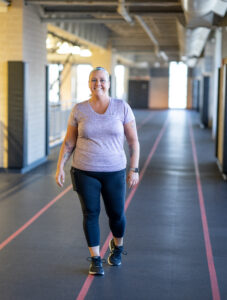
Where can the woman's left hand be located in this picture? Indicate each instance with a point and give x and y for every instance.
(132, 179)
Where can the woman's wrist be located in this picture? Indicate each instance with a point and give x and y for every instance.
(135, 170)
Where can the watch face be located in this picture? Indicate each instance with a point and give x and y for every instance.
(136, 170)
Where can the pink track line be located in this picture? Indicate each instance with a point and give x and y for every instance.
(88, 281)
(34, 218)
(209, 254)
(149, 117)
(46, 207)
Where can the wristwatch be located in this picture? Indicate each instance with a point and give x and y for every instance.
(136, 170)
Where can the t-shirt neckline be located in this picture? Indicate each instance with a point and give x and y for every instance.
(110, 100)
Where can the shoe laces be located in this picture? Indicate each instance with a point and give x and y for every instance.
(117, 251)
(96, 259)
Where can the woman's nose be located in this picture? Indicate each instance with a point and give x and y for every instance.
(98, 82)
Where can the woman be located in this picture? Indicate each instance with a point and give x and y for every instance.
(95, 136)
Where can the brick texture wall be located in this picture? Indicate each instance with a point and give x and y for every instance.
(34, 54)
(22, 38)
(11, 44)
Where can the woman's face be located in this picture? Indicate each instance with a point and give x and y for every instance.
(99, 83)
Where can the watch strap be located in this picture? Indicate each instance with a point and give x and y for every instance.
(136, 170)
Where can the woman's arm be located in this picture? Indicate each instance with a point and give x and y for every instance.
(134, 151)
(66, 151)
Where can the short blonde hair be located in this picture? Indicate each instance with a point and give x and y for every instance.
(100, 69)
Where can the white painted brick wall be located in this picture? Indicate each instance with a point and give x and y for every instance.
(34, 53)
(22, 37)
(10, 49)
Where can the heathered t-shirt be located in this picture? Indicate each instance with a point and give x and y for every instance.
(100, 142)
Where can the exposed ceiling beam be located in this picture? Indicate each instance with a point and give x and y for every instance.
(145, 49)
(81, 20)
(103, 3)
(100, 14)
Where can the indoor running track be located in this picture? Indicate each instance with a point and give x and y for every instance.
(176, 235)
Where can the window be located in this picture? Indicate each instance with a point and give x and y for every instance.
(54, 83)
(82, 77)
(120, 81)
(178, 73)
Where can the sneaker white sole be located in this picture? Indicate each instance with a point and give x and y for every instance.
(108, 259)
(109, 262)
(94, 273)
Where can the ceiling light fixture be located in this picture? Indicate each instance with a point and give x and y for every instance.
(85, 53)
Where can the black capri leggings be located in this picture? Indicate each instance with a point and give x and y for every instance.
(89, 186)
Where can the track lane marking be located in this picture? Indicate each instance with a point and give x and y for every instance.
(47, 206)
(88, 281)
(34, 218)
(209, 253)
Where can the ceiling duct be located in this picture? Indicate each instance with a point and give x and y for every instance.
(200, 16)
(201, 13)
(192, 43)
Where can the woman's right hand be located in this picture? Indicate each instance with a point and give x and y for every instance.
(60, 177)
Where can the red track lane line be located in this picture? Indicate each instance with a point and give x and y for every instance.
(39, 213)
(150, 116)
(34, 218)
(209, 253)
(84, 290)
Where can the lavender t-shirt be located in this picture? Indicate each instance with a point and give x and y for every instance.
(100, 139)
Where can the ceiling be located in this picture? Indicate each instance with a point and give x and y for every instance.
(145, 31)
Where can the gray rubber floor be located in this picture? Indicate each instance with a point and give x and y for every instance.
(164, 239)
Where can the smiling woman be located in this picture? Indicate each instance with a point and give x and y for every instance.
(95, 137)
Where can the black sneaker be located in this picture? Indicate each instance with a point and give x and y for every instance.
(114, 258)
(96, 266)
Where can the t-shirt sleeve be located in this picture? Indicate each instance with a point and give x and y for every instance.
(128, 114)
(72, 117)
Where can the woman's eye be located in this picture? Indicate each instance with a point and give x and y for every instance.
(101, 80)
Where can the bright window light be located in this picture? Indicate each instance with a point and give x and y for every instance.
(120, 79)
(65, 48)
(82, 75)
(85, 53)
(178, 85)
(54, 83)
(75, 50)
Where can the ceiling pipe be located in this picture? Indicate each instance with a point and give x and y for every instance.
(148, 32)
(163, 55)
(157, 51)
(123, 12)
